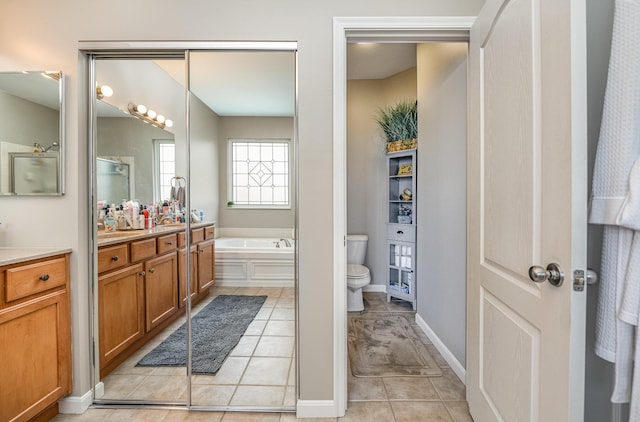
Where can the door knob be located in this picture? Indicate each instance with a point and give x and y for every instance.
(553, 273)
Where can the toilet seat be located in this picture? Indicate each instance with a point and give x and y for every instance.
(357, 271)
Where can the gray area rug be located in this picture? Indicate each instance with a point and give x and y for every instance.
(215, 331)
(385, 346)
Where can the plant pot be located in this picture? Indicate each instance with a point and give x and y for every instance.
(402, 145)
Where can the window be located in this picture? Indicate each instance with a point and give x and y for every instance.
(164, 167)
(259, 173)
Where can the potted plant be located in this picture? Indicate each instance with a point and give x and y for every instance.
(399, 122)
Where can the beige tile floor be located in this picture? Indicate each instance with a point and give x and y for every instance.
(388, 399)
(259, 371)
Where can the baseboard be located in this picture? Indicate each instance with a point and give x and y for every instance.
(76, 405)
(316, 409)
(99, 390)
(375, 288)
(254, 283)
(455, 365)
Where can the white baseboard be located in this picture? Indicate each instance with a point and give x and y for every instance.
(254, 283)
(375, 288)
(455, 365)
(99, 390)
(76, 405)
(316, 409)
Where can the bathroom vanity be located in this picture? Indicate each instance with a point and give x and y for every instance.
(35, 332)
(142, 284)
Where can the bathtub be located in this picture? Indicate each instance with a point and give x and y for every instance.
(254, 262)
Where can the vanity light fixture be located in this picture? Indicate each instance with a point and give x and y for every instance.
(103, 91)
(149, 116)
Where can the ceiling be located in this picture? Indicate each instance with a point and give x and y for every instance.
(379, 61)
(230, 83)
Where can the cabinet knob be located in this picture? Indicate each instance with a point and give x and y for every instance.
(44, 277)
(114, 258)
(169, 243)
(151, 270)
(141, 273)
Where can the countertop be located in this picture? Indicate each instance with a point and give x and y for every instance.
(111, 238)
(17, 255)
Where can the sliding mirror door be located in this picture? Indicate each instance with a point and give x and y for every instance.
(242, 177)
(194, 200)
(141, 143)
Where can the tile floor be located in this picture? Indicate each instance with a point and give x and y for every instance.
(388, 399)
(260, 371)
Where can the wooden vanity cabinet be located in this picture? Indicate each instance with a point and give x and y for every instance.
(35, 334)
(182, 274)
(161, 289)
(142, 288)
(206, 265)
(120, 310)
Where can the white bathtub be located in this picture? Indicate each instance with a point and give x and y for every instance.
(254, 262)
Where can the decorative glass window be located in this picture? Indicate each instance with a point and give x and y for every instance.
(259, 173)
(164, 166)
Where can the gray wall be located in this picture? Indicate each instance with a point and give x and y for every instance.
(205, 160)
(366, 162)
(442, 191)
(24, 122)
(599, 373)
(253, 128)
(49, 39)
(121, 136)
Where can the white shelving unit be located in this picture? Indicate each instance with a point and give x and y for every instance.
(401, 226)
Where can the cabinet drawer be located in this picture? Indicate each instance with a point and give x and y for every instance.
(197, 235)
(26, 280)
(403, 232)
(143, 249)
(112, 257)
(209, 232)
(167, 243)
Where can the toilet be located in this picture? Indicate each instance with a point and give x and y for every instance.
(357, 274)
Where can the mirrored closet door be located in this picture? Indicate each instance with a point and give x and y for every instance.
(194, 206)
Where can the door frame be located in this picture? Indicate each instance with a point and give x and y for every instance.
(369, 29)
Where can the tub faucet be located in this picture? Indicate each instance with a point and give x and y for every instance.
(286, 242)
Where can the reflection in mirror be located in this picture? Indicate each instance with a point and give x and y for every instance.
(31, 133)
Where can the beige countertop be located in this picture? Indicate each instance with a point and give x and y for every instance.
(22, 254)
(111, 238)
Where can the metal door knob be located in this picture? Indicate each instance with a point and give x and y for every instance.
(553, 273)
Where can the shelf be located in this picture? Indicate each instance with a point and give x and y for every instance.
(401, 277)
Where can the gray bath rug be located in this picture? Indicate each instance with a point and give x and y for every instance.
(215, 331)
(386, 346)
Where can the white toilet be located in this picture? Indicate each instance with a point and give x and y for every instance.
(357, 274)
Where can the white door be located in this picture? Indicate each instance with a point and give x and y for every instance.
(527, 206)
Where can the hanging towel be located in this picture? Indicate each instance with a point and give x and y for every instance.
(615, 202)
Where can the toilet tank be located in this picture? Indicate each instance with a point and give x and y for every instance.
(356, 248)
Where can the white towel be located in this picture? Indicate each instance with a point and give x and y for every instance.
(615, 202)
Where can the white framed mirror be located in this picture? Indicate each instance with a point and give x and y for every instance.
(31, 133)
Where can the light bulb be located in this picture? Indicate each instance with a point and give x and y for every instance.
(104, 91)
(151, 114)
(160, 118)
(168, 123)
(141, 109)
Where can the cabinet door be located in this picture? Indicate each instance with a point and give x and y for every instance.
(120, 310)
(36, 368)
(161, 289)
(182, 274)
(206, 265)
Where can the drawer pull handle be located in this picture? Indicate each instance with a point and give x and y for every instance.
(152, 270)
(399, 232)
(44, 277)
(114, 258)
(169, 243)
(141, 273)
